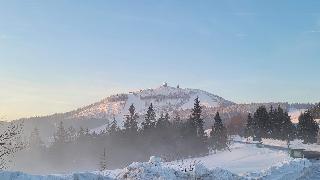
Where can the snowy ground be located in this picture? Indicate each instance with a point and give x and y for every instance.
(245, 161)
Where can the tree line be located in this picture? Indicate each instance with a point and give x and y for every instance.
(164, 135)
(169, 137)
(276, 124)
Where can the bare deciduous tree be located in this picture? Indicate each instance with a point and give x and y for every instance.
(10, 143)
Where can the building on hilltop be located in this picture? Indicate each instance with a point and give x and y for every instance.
(165, 84)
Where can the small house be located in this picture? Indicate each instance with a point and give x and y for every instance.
(296, 153)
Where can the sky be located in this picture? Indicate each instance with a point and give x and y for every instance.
(58, 55)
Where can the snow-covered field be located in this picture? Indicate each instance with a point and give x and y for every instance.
(297, 143)
(242, 159)
(245, 161)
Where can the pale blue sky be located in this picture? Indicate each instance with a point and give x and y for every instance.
(59, 55)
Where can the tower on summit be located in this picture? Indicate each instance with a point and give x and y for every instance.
(165, 84)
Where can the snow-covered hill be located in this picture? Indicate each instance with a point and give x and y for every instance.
(96, 116)
(164, 99)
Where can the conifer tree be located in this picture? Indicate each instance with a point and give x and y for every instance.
(163, 121)
(307, 128)
(250, 126)
(274, 119)
(218, 135)
(60, 135)
(131, 124)
(261, 118)
(196, 117)
(315, 111)
(285, 126)
(150, 118)
(113, 129)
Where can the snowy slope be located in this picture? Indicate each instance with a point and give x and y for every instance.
(164, 99)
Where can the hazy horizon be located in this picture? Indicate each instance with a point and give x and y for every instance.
(76, 106)
(56, 57)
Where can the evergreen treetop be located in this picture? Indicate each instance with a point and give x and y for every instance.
(196, 117)
(150, 118)
(131, 123)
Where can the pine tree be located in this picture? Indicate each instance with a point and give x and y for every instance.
(285, 126)
(103, 161)
(274, 120)
(113, 129)
(218, 135)
(150, 118)
(60, 135)
(131, 124)
(196, 117)
(163, 121)
(315, 111)
(250, 126)
(273, 124)
(261, 118)
(307, 128)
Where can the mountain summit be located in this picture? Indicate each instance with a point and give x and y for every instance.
(164, 99)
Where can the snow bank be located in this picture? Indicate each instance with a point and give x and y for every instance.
(154, 169)
(286, 170)
(6, 175)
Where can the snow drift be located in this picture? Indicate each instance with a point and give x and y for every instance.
(156, 169)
